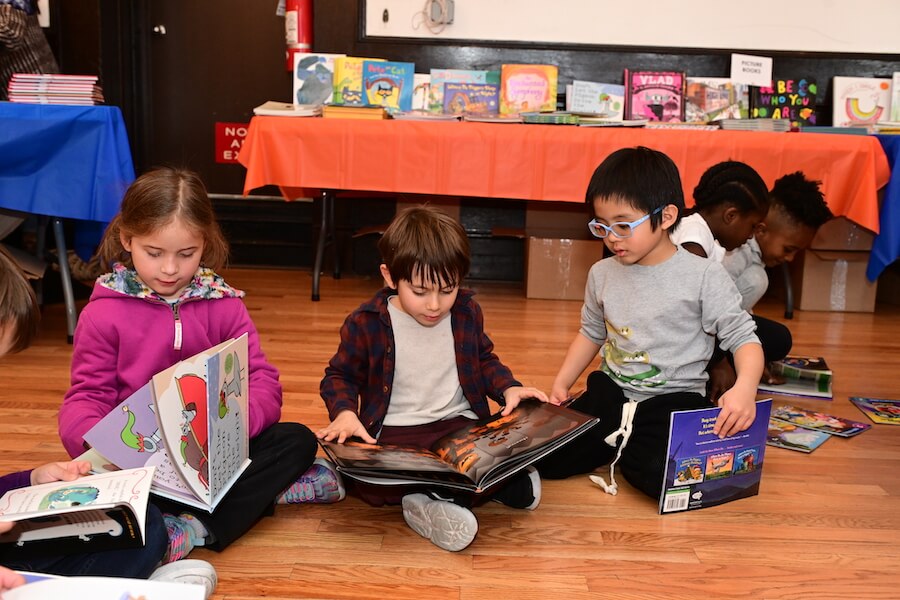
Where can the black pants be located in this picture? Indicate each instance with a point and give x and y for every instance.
(643, 460)
(279, 455)
(775, 338)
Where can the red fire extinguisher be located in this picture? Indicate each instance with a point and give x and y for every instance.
(298, 30)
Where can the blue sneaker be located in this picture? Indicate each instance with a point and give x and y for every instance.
(320, 484)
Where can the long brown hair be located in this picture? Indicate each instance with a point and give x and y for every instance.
(18, 306)
(153, 201)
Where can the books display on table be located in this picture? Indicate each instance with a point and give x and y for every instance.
(693, 126)
(703, 470)
(491, 118)
(462, 98)
(273, 108)
(804, 376)
(474, 458)
(594, 122)
(882, 411)
(793, 99)
(337, 111)
(654, 95)
(313, 78)
(550, 118)
(388, 84)
(860, 100)
(90, 514)
(711, 99)
(779, 125)
(190, 421)
(527, 88)
(424, 115)
(601, 100)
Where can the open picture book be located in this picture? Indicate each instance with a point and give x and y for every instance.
(474, 458)
(89, 514)
(190, 421)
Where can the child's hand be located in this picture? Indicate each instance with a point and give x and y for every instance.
(344, 426)
(558, 395)
(738, 410)
(9, 580)
(60, 471)
(512, 396)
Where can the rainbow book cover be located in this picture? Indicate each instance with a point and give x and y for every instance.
(793, 99)
(528, 88)
(703, 470)
(389, 84)
(860, 101)
(655, 95)
(467, 98)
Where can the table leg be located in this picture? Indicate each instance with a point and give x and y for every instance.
(327, 208)
(66, 276)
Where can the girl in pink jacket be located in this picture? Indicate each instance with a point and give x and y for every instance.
(163, 302)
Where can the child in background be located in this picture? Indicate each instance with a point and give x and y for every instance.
(653, 311)
(19, 317)
(729, 201)
(414, 364)
(796, 211)
(163, 302)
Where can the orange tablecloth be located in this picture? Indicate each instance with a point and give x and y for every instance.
(539, 162)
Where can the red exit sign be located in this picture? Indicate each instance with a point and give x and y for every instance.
(229, 139)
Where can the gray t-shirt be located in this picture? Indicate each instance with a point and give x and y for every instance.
(658, 325)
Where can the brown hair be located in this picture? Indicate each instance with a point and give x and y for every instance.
(18, 306)
(154, 200)
(423, 241)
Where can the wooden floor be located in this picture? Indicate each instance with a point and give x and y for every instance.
(826, 525)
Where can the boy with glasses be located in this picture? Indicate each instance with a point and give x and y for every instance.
(653, 311)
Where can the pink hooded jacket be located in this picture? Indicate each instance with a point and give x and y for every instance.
(126, 334)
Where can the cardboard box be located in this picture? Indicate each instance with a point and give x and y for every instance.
(833, 280)
(557, 268)
(842, 234)
(566, 220)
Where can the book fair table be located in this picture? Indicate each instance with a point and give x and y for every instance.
(64, 162)
(312, 156)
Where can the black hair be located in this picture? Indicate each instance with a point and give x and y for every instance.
(644, 178)
(735, 183)
(801, 199)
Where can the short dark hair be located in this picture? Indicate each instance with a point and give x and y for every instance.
(423, 241)
(735, 183)
(644, 178)
(801, 200)
(18, 305)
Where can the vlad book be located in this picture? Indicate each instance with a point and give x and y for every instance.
(703, 470)
(474, 458)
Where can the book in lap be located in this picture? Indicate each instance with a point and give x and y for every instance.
(803, 375)
(90, 514)
(703, 470)
(190, 421)
(474, 458)
(40, 586)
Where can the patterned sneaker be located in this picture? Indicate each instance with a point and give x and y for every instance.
(321, 484)
(185, 533)
(523, 491)
(446, 525)
(194, 572)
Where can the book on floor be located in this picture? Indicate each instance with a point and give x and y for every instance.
(885, 412)
(40, 586)
(190, 421)
(803, 376)
(819, 421)
(90, 514)
(474, 458)
(782, 434)
(703, 470)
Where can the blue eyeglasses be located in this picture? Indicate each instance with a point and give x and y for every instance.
(621, 229)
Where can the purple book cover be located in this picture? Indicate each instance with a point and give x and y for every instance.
(655, 95)
(466, 98)
(129, 434)
(703, 470)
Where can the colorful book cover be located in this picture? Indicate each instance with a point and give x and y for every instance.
(605, 100)
(886, 412)
(782, 434)
(348, 80)
(465, 98)
(389, 84)
(528, 88)
(314, 78)
(441, 76)
(703, 470)
(860, 101)
(654, 95)
(793, 99)
(421, 87)
(895, 96)
(711, 99)
(819, 421)
(802, 367)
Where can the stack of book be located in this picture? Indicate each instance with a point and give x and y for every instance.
(273, 108)
(756, 124)
(37, 88)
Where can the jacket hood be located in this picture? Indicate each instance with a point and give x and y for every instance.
(206, 285)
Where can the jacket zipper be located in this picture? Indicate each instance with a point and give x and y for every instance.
(177, 345)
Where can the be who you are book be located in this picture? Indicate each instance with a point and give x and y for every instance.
(703, 470)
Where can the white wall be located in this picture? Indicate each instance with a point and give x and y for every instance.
(867, 26)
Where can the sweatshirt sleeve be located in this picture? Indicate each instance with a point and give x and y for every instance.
(14, 481)
(722, 314)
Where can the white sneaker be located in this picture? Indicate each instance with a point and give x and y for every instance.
(190, 571)
(446, 525)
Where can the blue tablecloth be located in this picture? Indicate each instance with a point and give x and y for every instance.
(886, 247)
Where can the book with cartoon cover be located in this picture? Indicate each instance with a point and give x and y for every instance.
(803, 376)
(703, 470)
(882, 411)
(782, 434)
(819, 421)
(89, 514)
(655, 95)
(474, 458)
(190, 421)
